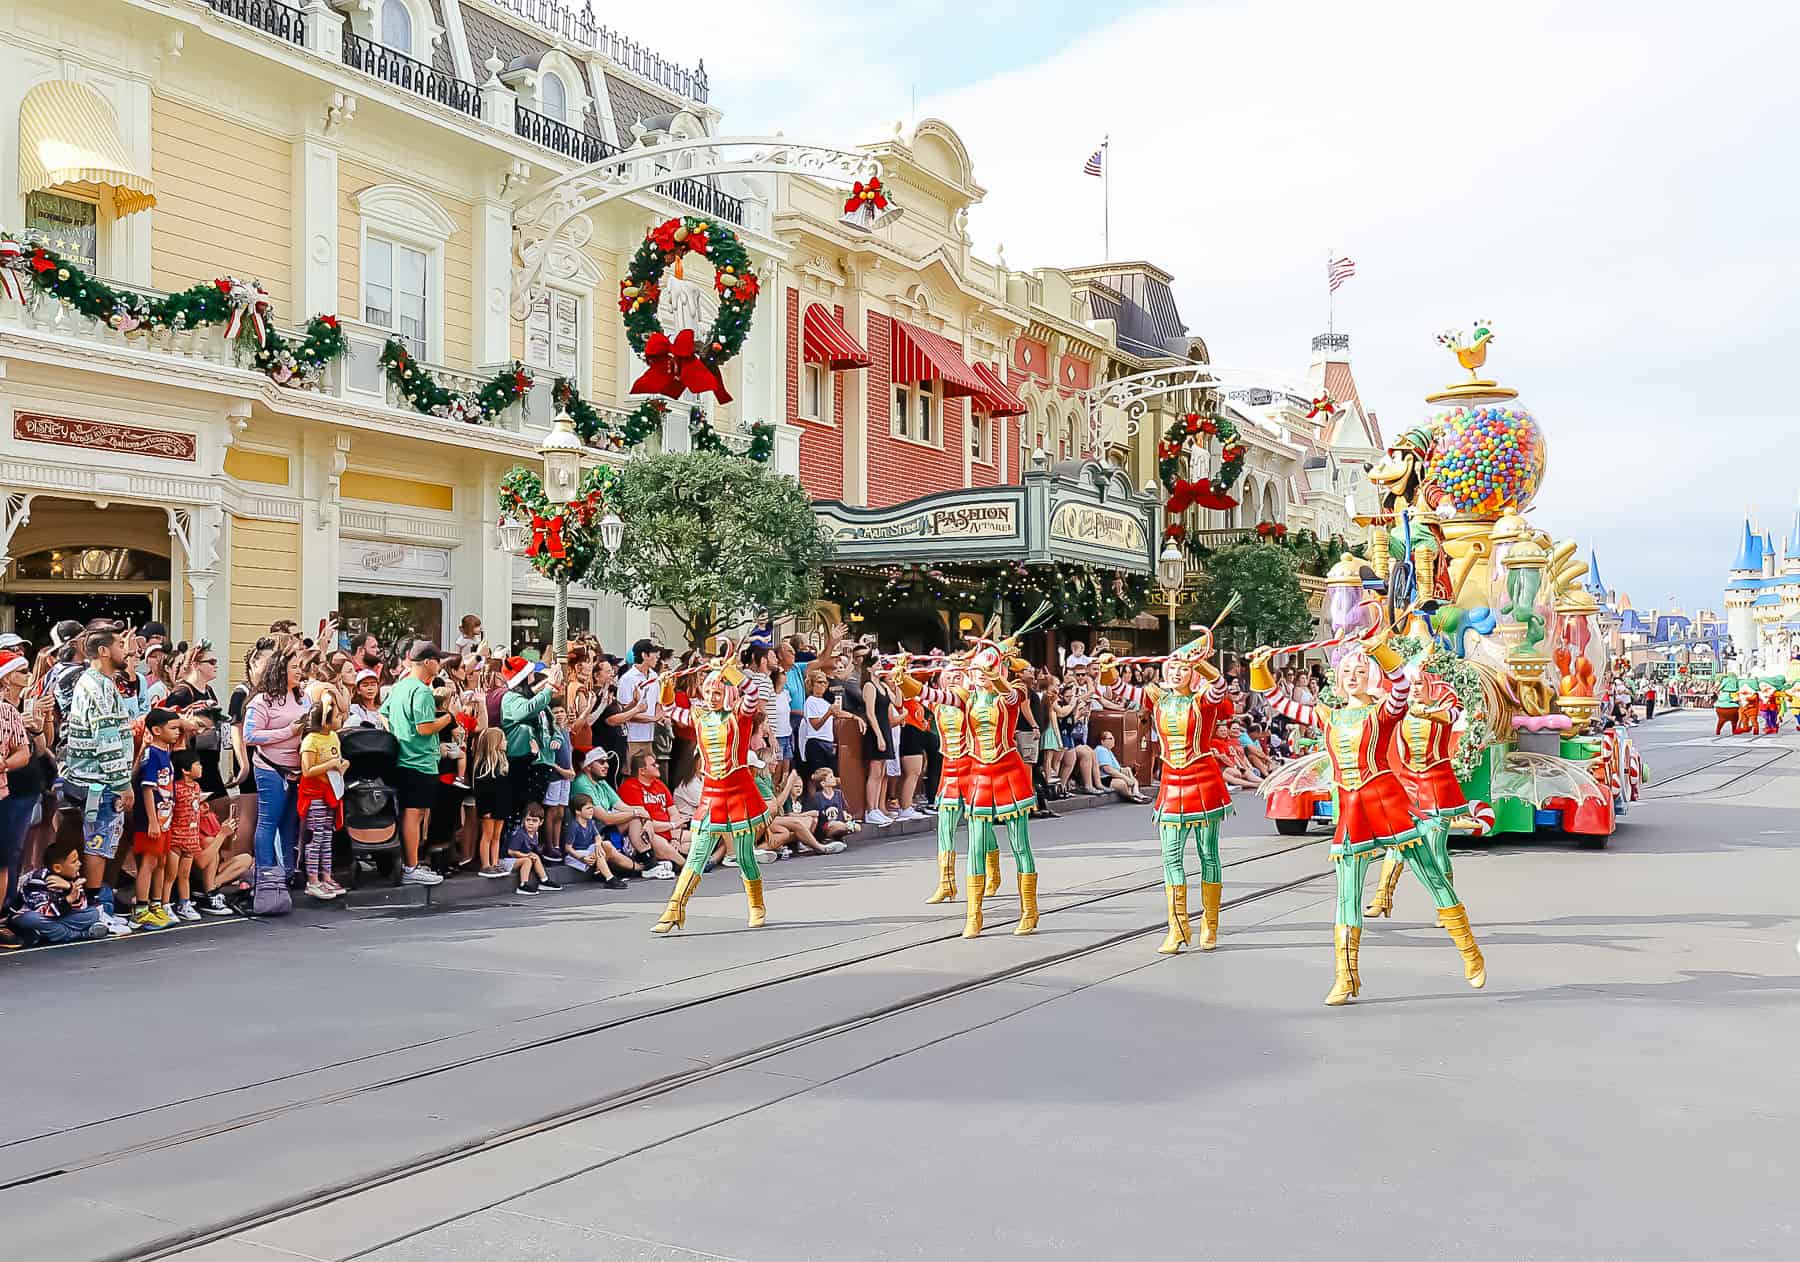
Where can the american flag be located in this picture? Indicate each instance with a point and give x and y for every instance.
(1094, 162)
(1339, 270)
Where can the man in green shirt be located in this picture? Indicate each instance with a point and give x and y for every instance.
(412, 715)
(629, 822)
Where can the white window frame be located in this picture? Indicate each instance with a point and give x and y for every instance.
(408, 217)
(815, 391)
(906, 411)
(579, 371)
(550, 76)
(380, 22)
(982, 427)
(371, 245)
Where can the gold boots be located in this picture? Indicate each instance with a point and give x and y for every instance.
(753, 892)
(1348, 985)
(972, 926)
(946, 889)
(675, 914)
(1383, 902)
(993, 871)
(1456, 920)
(1180, 931)
(1209, 914)
(1028, 912)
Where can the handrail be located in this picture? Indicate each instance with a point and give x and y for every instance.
(397, 68)
(569, 141)
(280, 20)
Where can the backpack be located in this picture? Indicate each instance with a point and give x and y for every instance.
(270, 895)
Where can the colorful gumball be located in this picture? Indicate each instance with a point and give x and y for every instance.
(1489, 459)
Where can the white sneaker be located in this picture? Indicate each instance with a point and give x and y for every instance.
(116, 925)
(909, 813)
(767, 856)
(318, 890)
(835, 847)
(420, 876)
(184, 911)
(664, 871)
(877, 818)
(731, 860)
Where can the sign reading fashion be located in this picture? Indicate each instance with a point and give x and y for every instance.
(1095, 526)
(961, 521)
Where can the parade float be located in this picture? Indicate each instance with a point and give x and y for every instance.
(1476, 595)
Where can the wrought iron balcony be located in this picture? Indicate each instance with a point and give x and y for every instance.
(706, 199)
(1331, 342)
(280, 20)
(541, 129)
(560, 19)
(397, 68)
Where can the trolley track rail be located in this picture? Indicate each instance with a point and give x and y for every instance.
(1652, 792)
(179, 1242)
(525, 1047)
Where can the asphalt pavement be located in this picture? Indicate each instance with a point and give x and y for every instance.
(544, 1079)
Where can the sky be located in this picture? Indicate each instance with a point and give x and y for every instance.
(1613, 185)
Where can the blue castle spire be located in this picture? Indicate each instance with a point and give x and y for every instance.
(1750, 551)
(1595, 587)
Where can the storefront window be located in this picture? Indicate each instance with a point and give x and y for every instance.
(67, 225)
(532, 625)
(392, 618)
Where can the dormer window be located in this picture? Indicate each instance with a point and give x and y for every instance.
(554, 98)
(397, 27)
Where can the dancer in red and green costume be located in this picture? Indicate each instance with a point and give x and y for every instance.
(732, 808)
(1424, 739)
(996, 786)
(947, 708)
(1193, 797)
(1372, 810)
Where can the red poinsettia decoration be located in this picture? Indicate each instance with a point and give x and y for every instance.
(1176, 531)
(328, 321)
(42, 262)
(1209, 426)
(1271, 529)
(1230, 453)
(869, 192)
(748, 287)
(1192, 422)
(521, 381)
(663, 235)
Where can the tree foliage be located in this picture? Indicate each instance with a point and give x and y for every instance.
(1272, 609)
(713, 538)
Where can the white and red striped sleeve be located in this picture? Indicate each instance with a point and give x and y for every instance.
(1399, 691)
(1125, 696)
(1282, 702)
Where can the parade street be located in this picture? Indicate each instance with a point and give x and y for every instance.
(504, 1080)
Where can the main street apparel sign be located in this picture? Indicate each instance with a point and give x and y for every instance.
(1077, 512)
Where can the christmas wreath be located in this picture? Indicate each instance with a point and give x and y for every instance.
(684, 362)
(1213, 492)
(420, 389)
(1271, 530)
(564, 537)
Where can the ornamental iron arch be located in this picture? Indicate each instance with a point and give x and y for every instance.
(557, 215)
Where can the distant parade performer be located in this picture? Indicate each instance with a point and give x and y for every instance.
(1193, 797)
(996, 788)
(1768, 706)
(1373, 812)
(1425, 737)
(1725, 706)
(952, 725)
(732, 807)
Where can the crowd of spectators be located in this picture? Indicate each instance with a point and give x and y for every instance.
(147, 799)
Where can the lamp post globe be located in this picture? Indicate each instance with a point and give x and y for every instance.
(1171, 571)
(561, 452)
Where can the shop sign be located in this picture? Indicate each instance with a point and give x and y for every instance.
(395, 560)
(963, 521)
(1097, 527)
(67, 431)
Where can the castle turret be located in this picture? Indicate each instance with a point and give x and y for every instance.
(1750, 554)
(1768, 555)
(1741, 590)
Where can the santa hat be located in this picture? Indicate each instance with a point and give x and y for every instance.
(518, 670)
(10, 661)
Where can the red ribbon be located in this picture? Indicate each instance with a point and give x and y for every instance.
(546, 536)
(870, 192)
(673, 368)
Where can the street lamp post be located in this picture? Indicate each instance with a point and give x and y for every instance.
(1171, 571)
(561, 453)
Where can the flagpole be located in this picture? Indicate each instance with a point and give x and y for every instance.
(1106, 199)
(1330, 301)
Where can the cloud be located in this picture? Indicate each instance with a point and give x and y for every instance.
(1612, 184)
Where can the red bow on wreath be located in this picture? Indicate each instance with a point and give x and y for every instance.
(674, 367)
(42, 262)
(546, 536)
(1322, 406)
(870, 192)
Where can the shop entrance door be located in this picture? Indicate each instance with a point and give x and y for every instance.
(34, 613)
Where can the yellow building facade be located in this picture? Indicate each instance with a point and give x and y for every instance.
(364, 164)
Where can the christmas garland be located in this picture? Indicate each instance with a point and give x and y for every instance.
(684, 363)
(29, 269)
(1211, 492)
(420, 389)
(646, 419)
(564, 537)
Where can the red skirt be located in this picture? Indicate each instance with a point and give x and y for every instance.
(1194, 794)
(952, 783)
(1434, 791)
(1372, 817)
(732, 804)
(999, 790)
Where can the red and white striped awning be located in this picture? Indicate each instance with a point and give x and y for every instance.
(827, 342)
(920, 355)
(1001, 401)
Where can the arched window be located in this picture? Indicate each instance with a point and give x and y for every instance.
(397, 27)
(1070, 446)
(554, 97)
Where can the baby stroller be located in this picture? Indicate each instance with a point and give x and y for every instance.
(371, 813)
